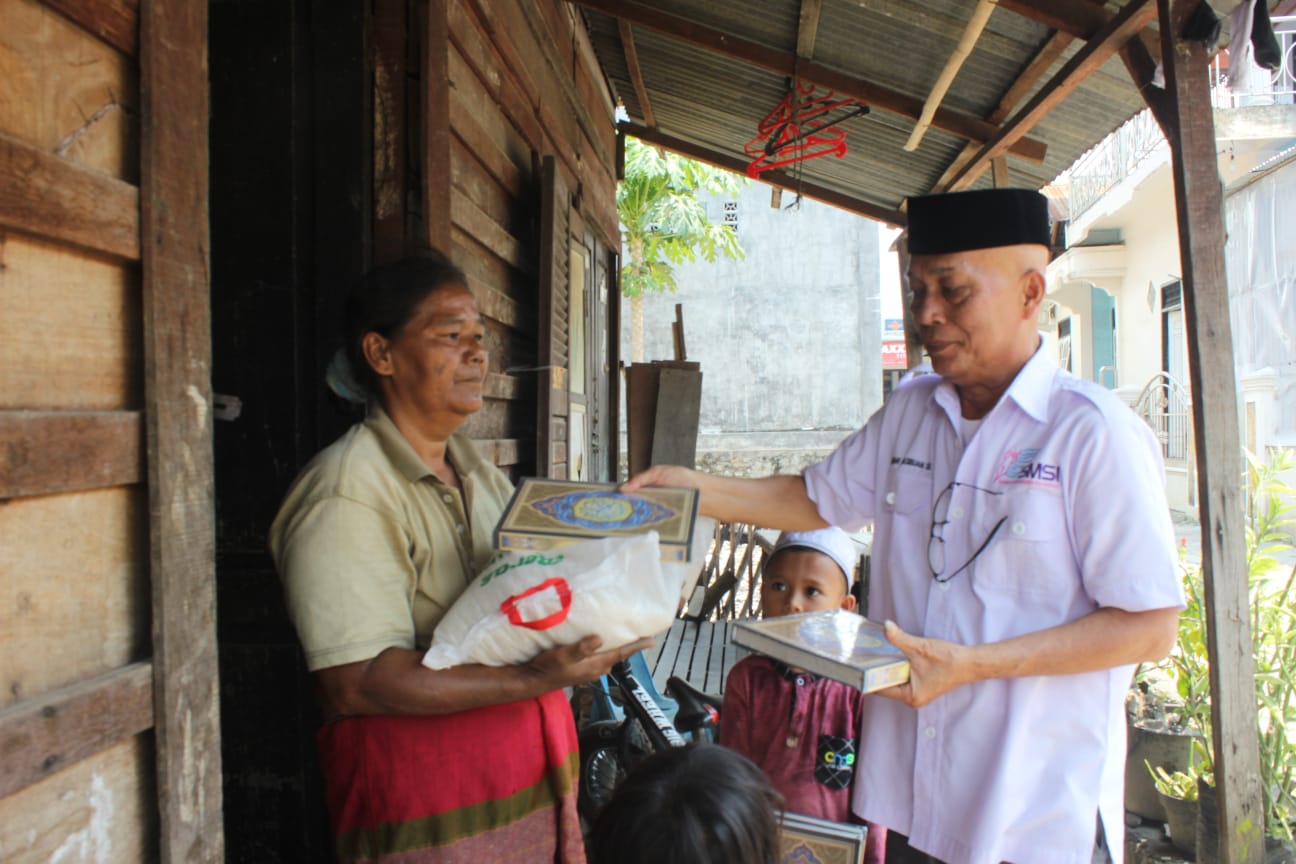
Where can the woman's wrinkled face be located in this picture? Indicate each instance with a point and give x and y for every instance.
(799, 579)
(437, 363)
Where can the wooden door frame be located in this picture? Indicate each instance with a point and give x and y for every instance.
(176, 267)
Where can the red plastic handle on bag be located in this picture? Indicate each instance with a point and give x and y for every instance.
(510, 606)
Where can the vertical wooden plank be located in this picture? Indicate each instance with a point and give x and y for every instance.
(675, 428)
(610, 287)
(387, 64)
(1199, 200)
(551, 382)
(436, 125)
(177, 388)
(999, 171)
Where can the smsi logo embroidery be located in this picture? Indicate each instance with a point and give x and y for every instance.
(1021, 466)
(905, 460)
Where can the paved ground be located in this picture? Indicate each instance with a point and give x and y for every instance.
(1188, 532)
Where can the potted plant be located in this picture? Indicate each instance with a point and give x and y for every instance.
(1271, 508)
(1157, 737)
(1178, 791)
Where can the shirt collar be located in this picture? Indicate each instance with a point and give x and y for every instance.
(462, 453)
(1033, 386)
(1031, 389)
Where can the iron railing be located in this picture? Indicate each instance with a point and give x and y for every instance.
(1166, 405)
(1262, 87)
(1112, 160)
(1118, 155)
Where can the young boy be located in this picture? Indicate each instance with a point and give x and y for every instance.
(800, 728)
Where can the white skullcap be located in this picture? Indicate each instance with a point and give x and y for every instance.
(831, 541)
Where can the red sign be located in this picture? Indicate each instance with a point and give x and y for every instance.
(894, 356)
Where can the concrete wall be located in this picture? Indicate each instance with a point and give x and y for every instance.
(789, 338)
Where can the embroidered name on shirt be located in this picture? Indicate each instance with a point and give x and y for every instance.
(1020, 466)
(905, 460)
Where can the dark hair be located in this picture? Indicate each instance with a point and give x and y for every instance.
(702, 804)
(384, 301)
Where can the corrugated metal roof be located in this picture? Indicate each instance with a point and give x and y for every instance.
(706, 98)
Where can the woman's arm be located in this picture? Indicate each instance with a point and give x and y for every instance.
(397, 682)
(779, 501)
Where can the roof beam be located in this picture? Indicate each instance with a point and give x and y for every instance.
(784, 63)
(774, 178)
(1039, 64)
(808, 28)
(1115, 33)
(1080, 20)
(636, 75)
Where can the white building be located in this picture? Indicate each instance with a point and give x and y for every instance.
(1116, 311)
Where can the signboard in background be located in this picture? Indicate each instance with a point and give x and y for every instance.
(892, 329)
(894, 355)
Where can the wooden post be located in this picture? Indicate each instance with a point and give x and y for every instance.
(178, 426)
(436, 126)
(1199, 201)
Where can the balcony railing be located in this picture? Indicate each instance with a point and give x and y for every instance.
(1114, 158)
(1262, 87)
(1118, 155)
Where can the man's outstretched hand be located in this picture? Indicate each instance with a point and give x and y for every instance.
(660, 475)
(935, 667)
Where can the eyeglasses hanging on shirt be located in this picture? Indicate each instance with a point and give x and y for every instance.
(940, 518)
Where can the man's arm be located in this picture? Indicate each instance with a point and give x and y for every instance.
(397, 682)
(1103, 639)
(772, 502)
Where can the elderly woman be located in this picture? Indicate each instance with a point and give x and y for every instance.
(376, 539)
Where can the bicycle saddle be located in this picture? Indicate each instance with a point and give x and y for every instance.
(697, 710)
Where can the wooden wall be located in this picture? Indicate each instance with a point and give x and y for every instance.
(91, 764)
(520, 87)
(345, 134)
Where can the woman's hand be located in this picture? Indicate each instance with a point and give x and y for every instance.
(580, 662)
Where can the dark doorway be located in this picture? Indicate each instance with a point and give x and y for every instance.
(288, 233)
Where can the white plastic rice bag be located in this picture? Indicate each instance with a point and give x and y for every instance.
(526, 602)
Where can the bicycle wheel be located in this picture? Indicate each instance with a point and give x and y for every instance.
(601, 767)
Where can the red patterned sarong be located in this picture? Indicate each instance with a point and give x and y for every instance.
(495, 784)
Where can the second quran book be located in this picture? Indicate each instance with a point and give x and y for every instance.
(544, 514)
(839, 644)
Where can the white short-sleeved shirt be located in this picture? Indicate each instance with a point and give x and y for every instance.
(1006, 769)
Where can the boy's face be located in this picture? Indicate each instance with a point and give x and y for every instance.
(803, 580)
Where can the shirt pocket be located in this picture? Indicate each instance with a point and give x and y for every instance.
(1029, 553)
(908, 494)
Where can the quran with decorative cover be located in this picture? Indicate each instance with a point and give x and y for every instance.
(544, 514)
(840, 645)
(809, 840)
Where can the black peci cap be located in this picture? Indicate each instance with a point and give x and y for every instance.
(980, 219)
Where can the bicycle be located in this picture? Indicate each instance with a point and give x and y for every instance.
(630, 719)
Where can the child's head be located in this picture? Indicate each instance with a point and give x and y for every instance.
(702, 804)
(808, 571)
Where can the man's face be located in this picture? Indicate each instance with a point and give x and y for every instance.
(975, 310)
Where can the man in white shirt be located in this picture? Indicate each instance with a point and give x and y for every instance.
(1023, 557)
